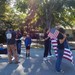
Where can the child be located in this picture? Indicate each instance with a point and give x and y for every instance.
(27, 44)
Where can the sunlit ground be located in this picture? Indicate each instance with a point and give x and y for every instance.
(35, 65)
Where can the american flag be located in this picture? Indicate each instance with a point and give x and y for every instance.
(67, 52)
(53, 33)
(56, 33)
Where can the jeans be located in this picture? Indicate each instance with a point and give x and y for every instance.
(49, 52)
(46, 50)
(59, 60)
(18, 47)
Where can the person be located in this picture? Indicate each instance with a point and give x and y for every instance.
(18, 41)
(47, 44)
(60, 40)
(11, 47)
(27, 45)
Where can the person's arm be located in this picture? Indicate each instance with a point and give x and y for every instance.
(62, 40)
(30, 42)
(46, 38)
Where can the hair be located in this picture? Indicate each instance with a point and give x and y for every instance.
(61, 30)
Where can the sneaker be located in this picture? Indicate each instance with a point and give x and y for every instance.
(48, 56)
(61, 71)
(45, 58)
(30, 58)
(16, 62)
(52, 55)
(27, 57)
(9, 62)
(13, 58)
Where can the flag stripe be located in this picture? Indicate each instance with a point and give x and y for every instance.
(66, 57)
(67, 53)
(51, 35)
(56, 33)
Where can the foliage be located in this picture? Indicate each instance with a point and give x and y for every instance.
(21, 5)
(53, 11)
(2, 7)
(37, 13)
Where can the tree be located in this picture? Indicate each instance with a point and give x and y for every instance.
(2, 7)
(52, 11)
(43, 13)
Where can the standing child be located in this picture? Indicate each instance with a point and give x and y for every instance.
(27, 44)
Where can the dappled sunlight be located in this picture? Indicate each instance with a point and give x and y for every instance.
(33, 66)
(7, 69)
(45, 66)
(38, 70)
(19, 70)
(37, 55)
(3, 56)
(3, 65)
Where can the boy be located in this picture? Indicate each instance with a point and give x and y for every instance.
(27, 44)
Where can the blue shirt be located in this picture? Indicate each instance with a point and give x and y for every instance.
(27, 41)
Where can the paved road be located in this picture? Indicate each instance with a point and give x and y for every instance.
(35, 65)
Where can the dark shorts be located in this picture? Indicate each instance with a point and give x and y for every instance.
(27, 47)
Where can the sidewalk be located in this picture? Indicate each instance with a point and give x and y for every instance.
(35, 65)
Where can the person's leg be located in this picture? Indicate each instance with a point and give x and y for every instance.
(15, 53)
(29, 53)
(26, 53)
(59, 60)
(19, 48)
(9, 53)
(46, 51)
(50, 49)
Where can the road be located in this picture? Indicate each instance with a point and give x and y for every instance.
(35, 65)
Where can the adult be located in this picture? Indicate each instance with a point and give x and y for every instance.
(18, 41)
(60, 40)
(11, 47)
(47, 44)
